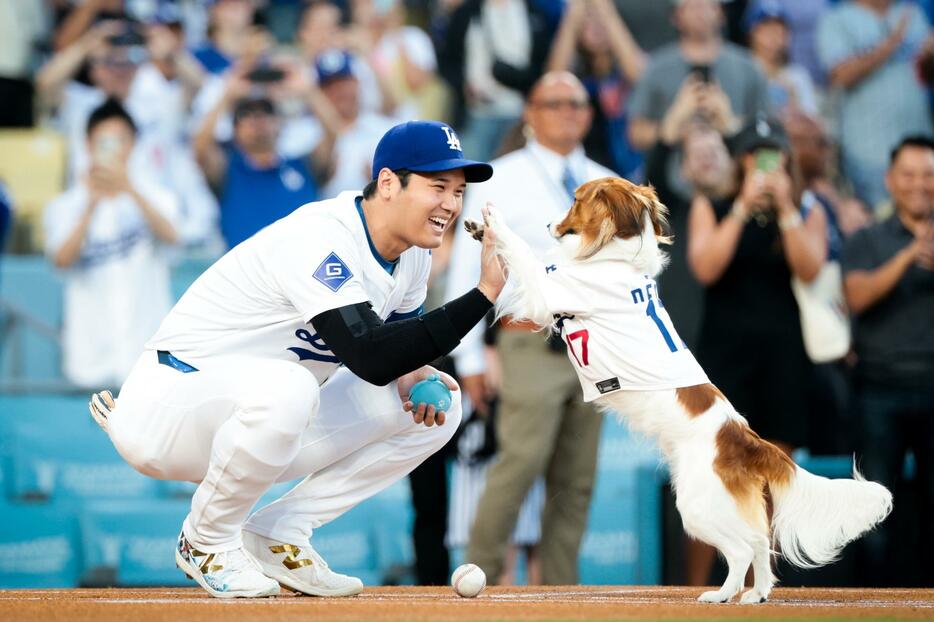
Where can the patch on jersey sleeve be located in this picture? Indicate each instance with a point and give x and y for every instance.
(333, 272)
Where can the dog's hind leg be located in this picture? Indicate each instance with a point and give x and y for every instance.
(739, 556)
(762, 569)
(715, 521)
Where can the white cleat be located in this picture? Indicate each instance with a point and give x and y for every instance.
(299, 567)
(101, 406)
(230, 574)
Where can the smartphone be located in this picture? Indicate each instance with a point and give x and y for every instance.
(106, 150)
(265, 75)
(702, 72)
(127, 38)
(768, 160)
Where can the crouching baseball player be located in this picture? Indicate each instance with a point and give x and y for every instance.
(293, 356)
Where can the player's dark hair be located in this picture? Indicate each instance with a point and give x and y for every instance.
(110, 109)
(369, 191)
(918, 140)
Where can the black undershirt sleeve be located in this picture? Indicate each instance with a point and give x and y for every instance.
(381, 352)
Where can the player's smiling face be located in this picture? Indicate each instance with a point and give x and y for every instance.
(430, 203)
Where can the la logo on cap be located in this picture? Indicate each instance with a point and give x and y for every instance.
(453, 141)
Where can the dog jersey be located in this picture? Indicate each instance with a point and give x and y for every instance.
(618, 334)
(258, 299)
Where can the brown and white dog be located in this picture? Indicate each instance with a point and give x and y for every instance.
(722, 471)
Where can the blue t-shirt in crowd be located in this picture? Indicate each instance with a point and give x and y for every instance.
(253, 197)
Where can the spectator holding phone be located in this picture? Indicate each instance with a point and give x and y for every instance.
(700, 74)
(153, 77)
(107, 233)
(744, 249)
(113, 52)
(255, 183)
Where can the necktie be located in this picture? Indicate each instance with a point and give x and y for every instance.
(568, 181)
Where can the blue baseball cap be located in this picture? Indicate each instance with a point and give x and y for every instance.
(333, 64)
(426, 147)
(764, 10)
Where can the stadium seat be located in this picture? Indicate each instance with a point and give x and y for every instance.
(30, 324)
(131, 542)
(32, 164)
(393, 534)
(39, 546)
(53, 449)
(622, 544)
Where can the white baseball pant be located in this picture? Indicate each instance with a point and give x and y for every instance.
(240, 424)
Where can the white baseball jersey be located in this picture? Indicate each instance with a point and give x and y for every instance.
(257, 299)
(118, 291)
(618, 333)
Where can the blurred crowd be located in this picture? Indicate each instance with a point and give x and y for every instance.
(790, 139)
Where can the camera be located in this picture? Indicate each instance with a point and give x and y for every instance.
(128, 38)
(265, 75)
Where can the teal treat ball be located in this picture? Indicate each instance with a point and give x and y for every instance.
(431, 391)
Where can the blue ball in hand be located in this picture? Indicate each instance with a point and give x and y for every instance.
(431, 391)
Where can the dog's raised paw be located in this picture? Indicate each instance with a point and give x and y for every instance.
(475, 229)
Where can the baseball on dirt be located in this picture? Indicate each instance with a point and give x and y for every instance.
(468, 580)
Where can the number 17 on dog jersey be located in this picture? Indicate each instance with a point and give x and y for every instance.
(631, 343)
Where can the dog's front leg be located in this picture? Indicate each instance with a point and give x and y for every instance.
(523, 298)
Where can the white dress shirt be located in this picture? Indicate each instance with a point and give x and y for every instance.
(527, 190)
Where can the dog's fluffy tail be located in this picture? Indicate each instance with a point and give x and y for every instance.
(815, 517)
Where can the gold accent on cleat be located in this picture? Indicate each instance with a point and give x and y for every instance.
(291, 562)
(206, 567)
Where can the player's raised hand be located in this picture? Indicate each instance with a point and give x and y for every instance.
(424, 413)
(492, 271)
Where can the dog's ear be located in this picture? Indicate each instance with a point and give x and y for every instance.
(657, 212)
(613, 207)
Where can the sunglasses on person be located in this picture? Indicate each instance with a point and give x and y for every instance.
(558, 104)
